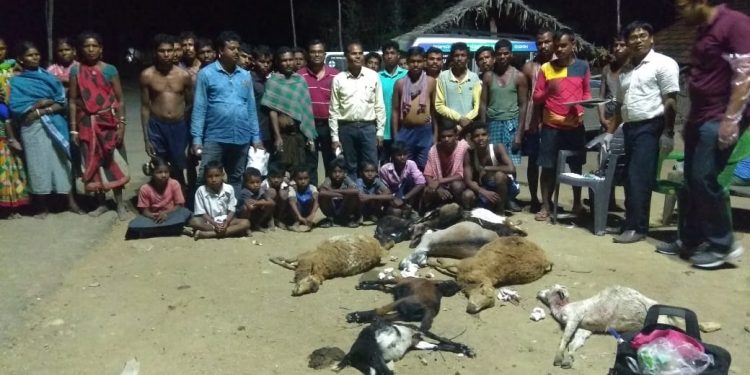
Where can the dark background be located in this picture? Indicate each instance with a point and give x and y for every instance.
(132, 23)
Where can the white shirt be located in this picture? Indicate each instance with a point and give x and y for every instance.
(643, 87)
(357, 98)
(215, 205)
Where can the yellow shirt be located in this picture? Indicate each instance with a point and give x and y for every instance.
(447, 81)
(357, 98)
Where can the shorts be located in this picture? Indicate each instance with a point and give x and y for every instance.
(504, 132)
(553, 140)
(513, 189)
(530, 145)
(170, 141)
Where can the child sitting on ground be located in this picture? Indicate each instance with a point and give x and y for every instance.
(254, 203)
(302, 203)
(215, 205)
(162, 205)
(374, 196)
(404, 179)
(277, 192)
(339, 197)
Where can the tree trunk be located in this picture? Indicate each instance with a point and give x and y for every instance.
(294, 28)
(49, 13)
(493, 15)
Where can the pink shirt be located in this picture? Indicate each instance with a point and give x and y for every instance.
(393, 180)
(320, 90)
(149, 198)
(434, 169)
(60, 72)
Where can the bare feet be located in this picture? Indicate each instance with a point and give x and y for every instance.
(41, 216)
(98, 211)
(122, 212)
(15, 215)
(201, 234)
(75, 209)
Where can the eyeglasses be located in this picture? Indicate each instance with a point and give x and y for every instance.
(638, 37)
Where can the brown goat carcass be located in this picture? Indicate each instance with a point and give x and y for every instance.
(335, 257)
(505, 261)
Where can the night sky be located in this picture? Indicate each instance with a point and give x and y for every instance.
(133, 22)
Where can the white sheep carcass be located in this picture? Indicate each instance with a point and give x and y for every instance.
(617, 307)
(459, 241)
(335, 257)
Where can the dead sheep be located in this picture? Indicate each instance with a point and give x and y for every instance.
(505, 261)
(617, 307)
(381, 343)
(414, 300)
(335, 257)
(459, 241)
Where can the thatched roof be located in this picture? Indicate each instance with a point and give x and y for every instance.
(526, 17)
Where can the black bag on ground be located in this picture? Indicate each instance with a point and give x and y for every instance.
(626, 355)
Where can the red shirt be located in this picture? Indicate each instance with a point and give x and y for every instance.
(320, 90)
(710, 75)
(556, 86)
(149, 198)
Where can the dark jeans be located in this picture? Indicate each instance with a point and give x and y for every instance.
(359, 143)
(706, 215)
(642, 151)
(232, 157)
(324, 145)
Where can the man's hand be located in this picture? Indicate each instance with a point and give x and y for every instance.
(336, 146)
(463, 122)
(729, 132)
(666, 143)
(259, 146)
(150, 149)
(398, 202)
(279, 143)
(75, 139)
(489, 195)
(196, 150)
(607, 140)
(433, 185)
(444, 194)
(380, 142)
(363, 197)
(516, 146)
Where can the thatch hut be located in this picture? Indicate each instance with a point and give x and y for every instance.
(482, 12)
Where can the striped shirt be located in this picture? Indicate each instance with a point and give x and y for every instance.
(320, 90)
(434, 168)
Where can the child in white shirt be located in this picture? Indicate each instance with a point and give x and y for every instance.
(215, 205)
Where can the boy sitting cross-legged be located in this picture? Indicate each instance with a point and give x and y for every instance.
(215, 205)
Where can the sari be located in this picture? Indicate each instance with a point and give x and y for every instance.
(104, 165)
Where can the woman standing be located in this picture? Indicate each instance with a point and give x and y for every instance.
(97, 113)
(64, 60)
(36, 102)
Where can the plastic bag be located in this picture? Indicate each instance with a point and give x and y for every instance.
(258, 158)
(663, 357)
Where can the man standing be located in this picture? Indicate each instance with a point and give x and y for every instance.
(299, 58)
(413, 115)
(533, 121)
(166, 92)
(458, 89)
(484, 59)
(434, 64)
(719, 88)
(224, 121)
(205, 52)
(563, 80)
(504, 91)
(189, 60)
(390, 73)
(319, 78)
(288, 101)
(647, 94)
(262, 65)
(357, 110)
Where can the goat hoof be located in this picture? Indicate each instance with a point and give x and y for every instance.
(558, 361)
(352, 318)
(566, 365)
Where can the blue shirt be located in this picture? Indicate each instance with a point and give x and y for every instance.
(224, 107)
(389, 82)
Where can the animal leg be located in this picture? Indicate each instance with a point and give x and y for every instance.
(438, 265)
(290, 264)
(447, 345)
(387, 312)
(381, 285)
(427, 319)
(578, 340)
(570, 329)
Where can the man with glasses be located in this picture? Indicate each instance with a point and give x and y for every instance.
(647, 95)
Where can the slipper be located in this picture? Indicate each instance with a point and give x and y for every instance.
(541, 215)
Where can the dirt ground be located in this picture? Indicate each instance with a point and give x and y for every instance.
(81, 303)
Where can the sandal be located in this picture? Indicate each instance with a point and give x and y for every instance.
(541, 215)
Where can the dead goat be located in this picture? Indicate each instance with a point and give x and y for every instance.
(505, 261)
(390, 230)
(458, 241)
(623, 309)
(335, 257)
(381, 343)
(414, 300)
(451, 214)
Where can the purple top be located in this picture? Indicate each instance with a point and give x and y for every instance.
(710, 75)
(410, 173)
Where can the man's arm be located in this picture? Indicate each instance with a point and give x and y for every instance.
(540, 91)
(252, 114)
(587, 83)
(200, 103)
(506, 165)
(477, 96)
(333, 111)
(522, 86)
(396, 106)
(379, 111)
(145, 111)
(189, 87)
(484, 97)
(469, 175)
(602, 93)
(440, 105)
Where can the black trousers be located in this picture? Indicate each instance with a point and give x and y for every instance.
(642, 152)
(323, 144)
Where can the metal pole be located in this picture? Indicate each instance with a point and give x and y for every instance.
(341, 38)
(619, 25)
(49, 12)
(294, 28)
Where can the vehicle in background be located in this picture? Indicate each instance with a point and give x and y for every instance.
(524, 47)
(337, 60)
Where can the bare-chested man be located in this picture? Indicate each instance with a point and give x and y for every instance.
(533, 121)
(413, 116)
(166, 91)
(189, 56)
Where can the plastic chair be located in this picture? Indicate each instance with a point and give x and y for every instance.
(599, 188)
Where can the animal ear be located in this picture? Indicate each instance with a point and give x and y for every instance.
(562, 292)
